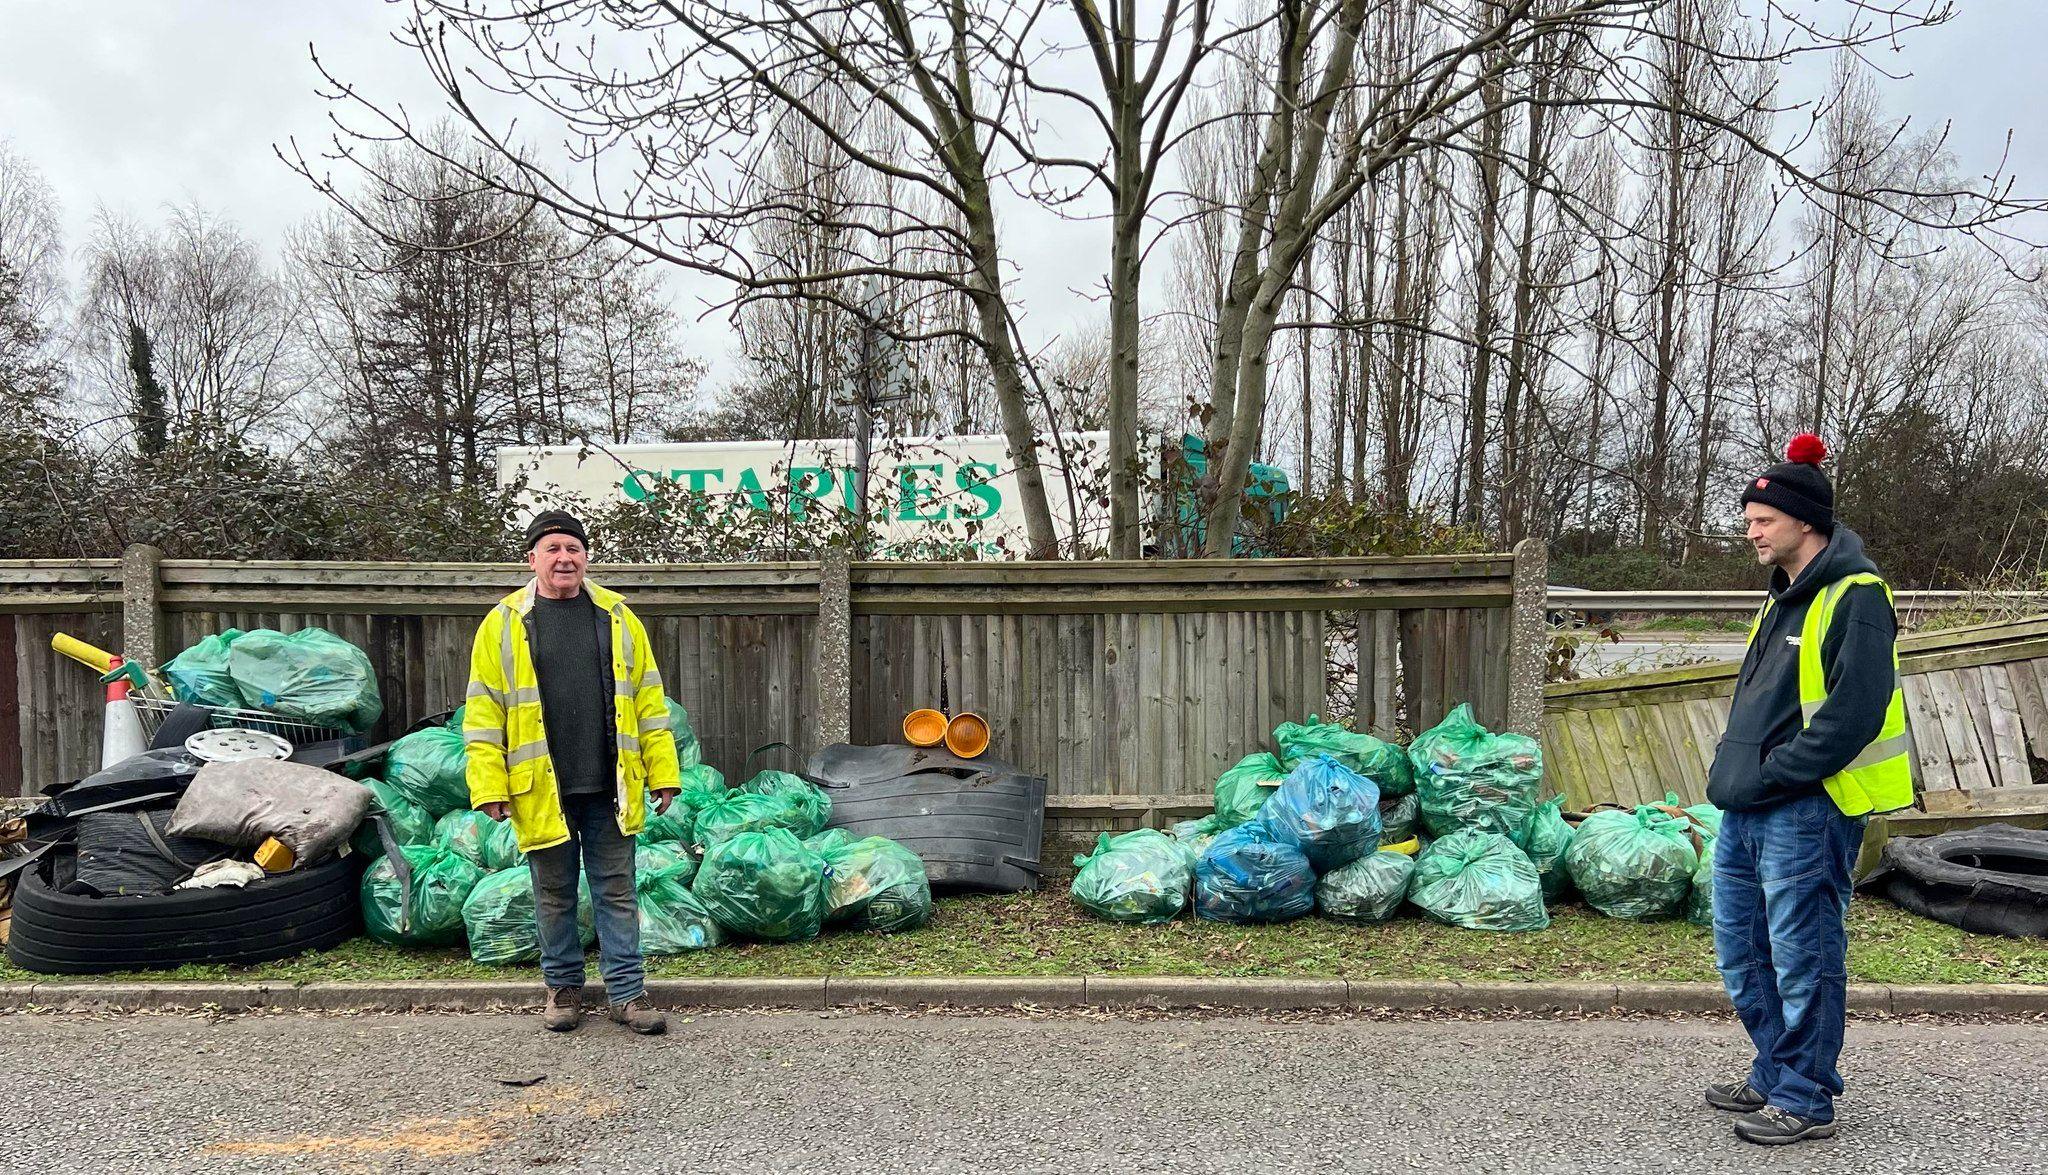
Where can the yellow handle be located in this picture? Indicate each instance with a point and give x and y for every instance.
(1406, 848)
(91, 656)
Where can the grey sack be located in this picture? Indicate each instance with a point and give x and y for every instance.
(311, 810)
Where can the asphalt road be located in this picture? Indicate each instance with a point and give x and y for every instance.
(887, 1093)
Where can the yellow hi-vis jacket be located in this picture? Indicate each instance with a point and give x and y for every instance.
(508, 741)
(1880, 778)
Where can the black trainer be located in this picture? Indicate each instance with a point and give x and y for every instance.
(1772, 1126)
(1738, 1096)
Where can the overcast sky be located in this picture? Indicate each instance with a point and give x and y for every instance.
(135, 104)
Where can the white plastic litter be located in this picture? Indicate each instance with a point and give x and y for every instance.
(222, 875)
(233, 744)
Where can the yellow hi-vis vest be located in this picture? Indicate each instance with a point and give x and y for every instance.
(1880, 777)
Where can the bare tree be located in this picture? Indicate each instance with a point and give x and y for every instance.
(195, 305)
(1472, 63)
(684, 89)
(31, 284)
(31, 236)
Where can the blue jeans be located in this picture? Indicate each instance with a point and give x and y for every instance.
(1781, 898)
(599, 850)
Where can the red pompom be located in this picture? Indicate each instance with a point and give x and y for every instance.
(1806, 449)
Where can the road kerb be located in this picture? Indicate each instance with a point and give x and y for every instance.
(1540, 997)
(418, 995)
(2004, 999)
(1869, 999)
(149, 997)
(806, 992)
(1005, 991)
(1672, 997)
(1402, 995)
(1165, 993)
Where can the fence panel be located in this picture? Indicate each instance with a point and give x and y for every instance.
(1976, 705)
(50, 707)
(1129, 685)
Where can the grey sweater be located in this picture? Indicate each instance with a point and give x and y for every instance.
(575, 693)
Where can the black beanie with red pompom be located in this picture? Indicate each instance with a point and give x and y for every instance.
(1797, 486)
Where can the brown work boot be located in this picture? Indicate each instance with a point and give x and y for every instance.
(640, 1016)
(564, 1010)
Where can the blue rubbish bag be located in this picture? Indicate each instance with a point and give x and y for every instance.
(1327, 810)
(1248, 875)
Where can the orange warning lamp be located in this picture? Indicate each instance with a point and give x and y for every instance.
(924, 728)
(967, 735)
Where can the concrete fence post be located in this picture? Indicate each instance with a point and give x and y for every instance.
(834, 652)
(142, 617)
(1528, 649)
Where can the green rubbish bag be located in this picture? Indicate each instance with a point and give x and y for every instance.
(763, 885)
(663, 854)
(700, 786)
(1369, 889)
(736, 812)
(1634, 865)
(455, 719)
(810, 809)
(410, 824)
(431, 915)
(1242, 790)
(689, 752)
(1706, 816)
(672, 826)
(1480, 881)
(1547, 838)
(672, 920)
(1699, 901)
(499, 918)
(311, 675)
(200, 676)
(1140, 877)
(431, 768)
(1195, 836)
(1399, 816)
(488, 844)
(1469, 777)
(1382, 762)
(828, 840)
(876, 884)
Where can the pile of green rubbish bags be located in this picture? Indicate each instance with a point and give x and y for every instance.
(310, 675)
(754, 862)
(1455, 824)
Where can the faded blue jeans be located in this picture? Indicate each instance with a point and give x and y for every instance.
(597, 849)
(1781, 898)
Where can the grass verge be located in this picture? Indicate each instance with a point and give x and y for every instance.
(1046, 934)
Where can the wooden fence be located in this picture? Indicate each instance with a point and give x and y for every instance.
(1976, 704)
(1129, 685)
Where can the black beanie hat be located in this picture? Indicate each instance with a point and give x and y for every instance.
(549, 522)
(1797, 486)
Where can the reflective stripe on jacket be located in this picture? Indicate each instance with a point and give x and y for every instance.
(1880, 777)
(507, 737)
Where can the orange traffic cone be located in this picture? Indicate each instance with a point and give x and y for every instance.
(122, 736)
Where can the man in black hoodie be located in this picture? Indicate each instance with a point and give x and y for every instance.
(1786, 776)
